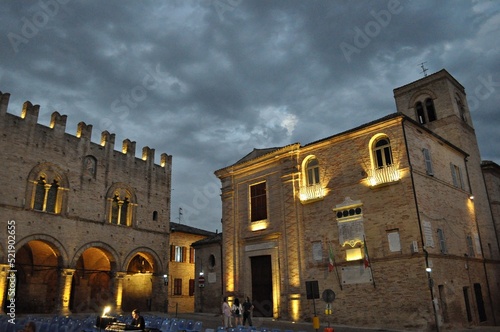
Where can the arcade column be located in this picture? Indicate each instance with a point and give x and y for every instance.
(4, 271)
(118, 290)
(65, 291)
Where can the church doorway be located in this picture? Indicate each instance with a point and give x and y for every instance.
(262, 286)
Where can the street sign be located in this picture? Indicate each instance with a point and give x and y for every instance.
(201, 281)
(328, 295)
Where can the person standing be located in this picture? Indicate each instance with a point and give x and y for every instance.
(247, 312)
(237, 311)
(226, 313)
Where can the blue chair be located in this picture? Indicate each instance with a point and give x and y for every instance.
(165, 325)
(174, 327)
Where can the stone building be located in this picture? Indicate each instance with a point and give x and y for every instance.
(392, 216)
(84, 225)
(182, 275)
(209, 270)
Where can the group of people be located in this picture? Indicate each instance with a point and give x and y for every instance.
(237, 311)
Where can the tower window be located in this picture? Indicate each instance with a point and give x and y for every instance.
(426, 111)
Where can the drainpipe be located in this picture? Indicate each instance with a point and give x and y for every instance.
(430, 281)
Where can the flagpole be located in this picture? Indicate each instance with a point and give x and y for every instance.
(367, 260)
(337, 273)
(332, 254)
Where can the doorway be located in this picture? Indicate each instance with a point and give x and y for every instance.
(262, 286)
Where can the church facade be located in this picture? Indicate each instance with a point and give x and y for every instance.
(388, 224)
(85, 226)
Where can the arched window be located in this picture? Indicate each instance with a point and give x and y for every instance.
(312, 172)
(121, 202)
(420, 112)
(47, 188)
(382, 152)
(425, 111)
(431, 112)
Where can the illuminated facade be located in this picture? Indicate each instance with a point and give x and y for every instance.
(88, 225)
(182, 277)
(381, 214)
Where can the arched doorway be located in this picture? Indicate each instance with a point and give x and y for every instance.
(138, 284)
(37, 263)
(92, 281)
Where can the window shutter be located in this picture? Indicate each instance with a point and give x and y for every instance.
(453, 175)
(183, 258)
(442, 243)
(428, 162)
(172, 253)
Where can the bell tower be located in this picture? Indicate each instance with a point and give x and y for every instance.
(438, 102)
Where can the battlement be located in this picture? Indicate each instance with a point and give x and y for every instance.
(29, 117)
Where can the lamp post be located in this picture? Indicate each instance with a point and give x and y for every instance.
(428, 269)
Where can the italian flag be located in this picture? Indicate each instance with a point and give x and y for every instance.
(330, 259)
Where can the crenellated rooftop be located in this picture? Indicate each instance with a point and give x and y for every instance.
(29, 115)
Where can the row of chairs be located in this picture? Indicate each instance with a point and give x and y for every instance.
(174, 324)
(87, 324)
(45, 324)
(241, 328)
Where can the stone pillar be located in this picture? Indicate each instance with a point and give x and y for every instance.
(4, 271)
(65, 291)
(118, 291)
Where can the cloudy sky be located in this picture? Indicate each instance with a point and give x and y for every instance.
(208, 81)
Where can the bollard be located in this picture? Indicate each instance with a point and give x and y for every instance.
(316, 322)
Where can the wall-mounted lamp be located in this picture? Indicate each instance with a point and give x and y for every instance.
(165, 279)
(471, 197)
(428, 270)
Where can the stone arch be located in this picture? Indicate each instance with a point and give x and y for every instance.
(421, 94)
(149, 254)
(39, 260)
(51, 241)
(138, 285)
(95, 265)
(109, 251)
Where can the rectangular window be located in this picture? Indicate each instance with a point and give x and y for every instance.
(191, 255)
(191, 287)
(177, 286)
(442, 242)
(258, 202)
(470, 246)
(428, 162)
(179, 254)
(456, 174)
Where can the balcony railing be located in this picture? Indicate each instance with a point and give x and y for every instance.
(311, 193)
(384, 174)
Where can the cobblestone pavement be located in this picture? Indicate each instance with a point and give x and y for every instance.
(212, 321)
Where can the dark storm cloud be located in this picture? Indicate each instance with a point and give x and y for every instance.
(208, 81)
